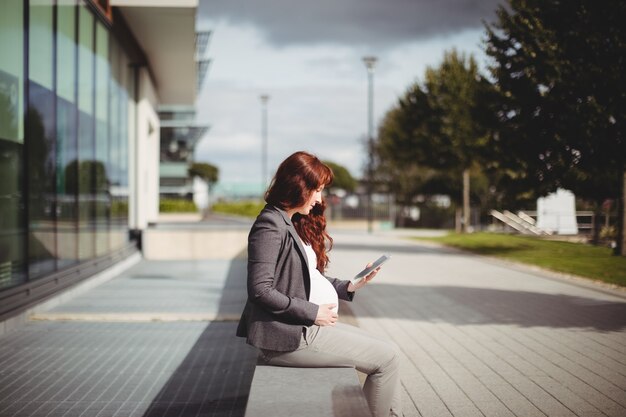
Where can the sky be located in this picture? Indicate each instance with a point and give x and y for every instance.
(307, 56)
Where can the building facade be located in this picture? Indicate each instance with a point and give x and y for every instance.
(80, 85)
(180, 132)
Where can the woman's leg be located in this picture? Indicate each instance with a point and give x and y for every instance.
(344, 345)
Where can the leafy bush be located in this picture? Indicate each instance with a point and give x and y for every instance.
(609, 232)
(172, 205)
(239, 208)
(119, 208)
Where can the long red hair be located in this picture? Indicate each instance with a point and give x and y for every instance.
(296, 179)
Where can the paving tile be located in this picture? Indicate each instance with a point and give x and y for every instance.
(193, 353)
(566, 397)
(480, 321)
(477, 339)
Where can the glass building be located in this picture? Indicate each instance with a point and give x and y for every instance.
(80, 82)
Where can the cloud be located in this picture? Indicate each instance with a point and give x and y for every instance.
(325, 120)
(307, 57)
(365, 23)
(317, 98)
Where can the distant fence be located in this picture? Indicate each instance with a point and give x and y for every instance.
(584, 220)
(382, 208)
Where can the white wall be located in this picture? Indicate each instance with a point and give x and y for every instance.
(144, 156)
(556, 213)
(200, 193)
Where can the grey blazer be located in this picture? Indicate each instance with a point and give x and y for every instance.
(278, 285)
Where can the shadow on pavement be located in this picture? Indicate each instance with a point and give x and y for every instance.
(214, 378)
(468, 306)
(406, 249)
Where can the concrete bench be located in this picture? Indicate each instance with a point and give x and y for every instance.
(316, 392)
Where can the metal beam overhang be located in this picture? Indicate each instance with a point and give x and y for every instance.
(166, 35)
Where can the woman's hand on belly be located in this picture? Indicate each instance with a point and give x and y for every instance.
(326, 316)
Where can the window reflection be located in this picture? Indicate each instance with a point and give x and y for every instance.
(41, 174)
(12, 231)
(86, 135)
(101, 165)
(67, 138)
(12, 270)
(63, 161)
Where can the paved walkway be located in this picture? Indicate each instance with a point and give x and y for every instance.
(482, 339)
(478, 338)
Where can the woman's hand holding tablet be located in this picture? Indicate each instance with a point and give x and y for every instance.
(378, 262)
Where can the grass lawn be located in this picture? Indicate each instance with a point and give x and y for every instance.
(239, 208)
(572, 258)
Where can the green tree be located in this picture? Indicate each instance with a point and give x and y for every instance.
(422, 148)
(559, 68)
(402, 147)
(343, 179)
(458, 132)
(207, 172)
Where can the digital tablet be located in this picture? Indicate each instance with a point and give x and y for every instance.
(378, 262)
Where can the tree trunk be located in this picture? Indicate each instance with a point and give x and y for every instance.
(620, 248)
(595, 236)
(466, 200)
(400, 216)
(457, 219)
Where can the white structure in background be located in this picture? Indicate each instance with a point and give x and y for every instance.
(556, 213)
(200, 193)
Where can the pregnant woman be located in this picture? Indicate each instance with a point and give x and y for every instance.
(292, 308)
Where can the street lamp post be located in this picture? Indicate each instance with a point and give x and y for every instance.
(264, 99)
(370, 63)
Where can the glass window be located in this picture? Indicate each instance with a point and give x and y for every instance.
(12, 70)
(102, 166)
(12, 224)
(66, 50)
(123, 161)
(86, 134)
(127, 114)
(40, 135)
(72, 112)
(85, 61)
(40, 42)
(67, 145)
(117, 228)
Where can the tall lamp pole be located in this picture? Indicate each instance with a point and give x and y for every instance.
(264, 99)
(370, 63)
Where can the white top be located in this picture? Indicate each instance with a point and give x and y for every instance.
(322, 291)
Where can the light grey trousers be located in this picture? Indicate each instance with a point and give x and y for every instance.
(345, 345)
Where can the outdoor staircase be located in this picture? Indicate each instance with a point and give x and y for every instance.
(521, 222)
